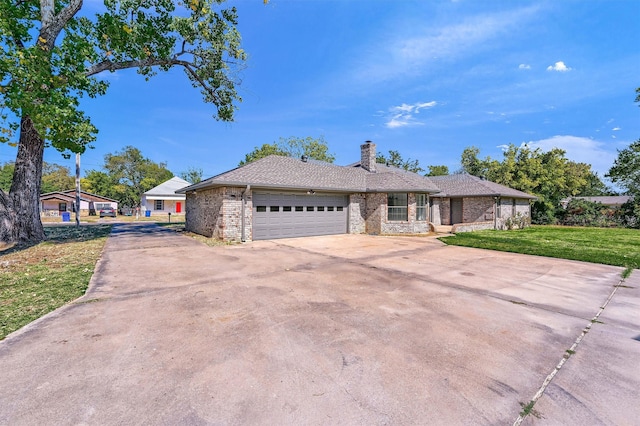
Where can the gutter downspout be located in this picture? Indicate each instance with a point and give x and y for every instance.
(242, 224)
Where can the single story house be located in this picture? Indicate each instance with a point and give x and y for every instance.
(279, 197)
(163, 198)
(468, 202)
(54, 203)
(611, 201)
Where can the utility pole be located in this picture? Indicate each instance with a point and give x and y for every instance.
(78, 190)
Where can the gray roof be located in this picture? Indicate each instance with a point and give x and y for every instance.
(279, 172)
(465, 185)
(608, 200)
(169, 187)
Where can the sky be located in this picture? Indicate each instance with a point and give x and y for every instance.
(425, 78)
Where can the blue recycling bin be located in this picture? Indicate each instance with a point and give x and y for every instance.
(147, 213)
(66, 217)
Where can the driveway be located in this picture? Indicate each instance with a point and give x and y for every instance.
(337, 330)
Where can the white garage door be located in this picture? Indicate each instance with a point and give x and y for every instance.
(285, 215)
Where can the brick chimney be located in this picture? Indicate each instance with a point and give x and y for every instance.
(368, 156)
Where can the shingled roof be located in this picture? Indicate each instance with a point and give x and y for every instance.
(168, 187)
(465, 185)
(279, 172)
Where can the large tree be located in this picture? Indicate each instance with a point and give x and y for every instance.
(126, 176)
(395, 159)
(548, 175)
(314, 148)
(192, 175)
(439, 170)
(51, 55)
(54, 177)
(626, 169)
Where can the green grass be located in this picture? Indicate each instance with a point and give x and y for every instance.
(38, 279)
(609, 246)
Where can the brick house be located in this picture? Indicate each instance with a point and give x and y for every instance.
(279, 197)
(469, 203)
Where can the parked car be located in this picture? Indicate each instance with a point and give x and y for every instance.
(107, 211)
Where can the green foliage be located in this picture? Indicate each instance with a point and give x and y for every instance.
(6, 175)
(438, 171)
(50, 58)
(587, 213)
(395, 159)
(609, 246)
(519, 221)
(312, 148)
(626, 169)
(548, 175)
(192, 175)
(629, 213)
(126, 176)
(56, 178)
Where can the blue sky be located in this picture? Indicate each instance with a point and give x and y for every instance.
(426, 78)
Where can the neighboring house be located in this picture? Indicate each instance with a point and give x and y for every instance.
(611, 201)
(54, 203)
(163, 198)
(470, 202)
(279, 197)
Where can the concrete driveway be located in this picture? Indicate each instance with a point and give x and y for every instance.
(333, 330)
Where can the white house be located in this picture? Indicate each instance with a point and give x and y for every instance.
(163, 198)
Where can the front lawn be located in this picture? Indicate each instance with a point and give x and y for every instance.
(39, 279)
(609, 246)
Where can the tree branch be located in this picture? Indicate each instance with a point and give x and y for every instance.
(114, 66)
(53, 25)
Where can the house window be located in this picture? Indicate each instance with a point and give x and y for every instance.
(299, 208)
(286, 208)
(62, 207)
(498, 208)
(159, 204)
(261, 209)
(397, 206)
(274, 208)
(421, 207)
(100, 206)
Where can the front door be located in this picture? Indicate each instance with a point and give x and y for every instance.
(178, 207)
(456, 210)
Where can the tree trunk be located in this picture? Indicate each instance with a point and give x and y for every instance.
(20, 209)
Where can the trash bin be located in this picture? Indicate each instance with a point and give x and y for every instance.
(147, 213)
(66, 217)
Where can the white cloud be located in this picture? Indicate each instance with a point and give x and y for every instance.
(410, 50)
(558, 66)
(524, 66)
(615, 129)
(404, 115)
(582, 150)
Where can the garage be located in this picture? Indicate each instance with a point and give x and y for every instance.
(284, 215)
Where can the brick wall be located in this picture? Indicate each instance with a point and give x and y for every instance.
(357, 214)
(445, 211)
(230, 227)
(202, 212)
(477, 209)
(376, 212)
(436, 217)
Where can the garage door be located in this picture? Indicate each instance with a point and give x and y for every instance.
(286, 215)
